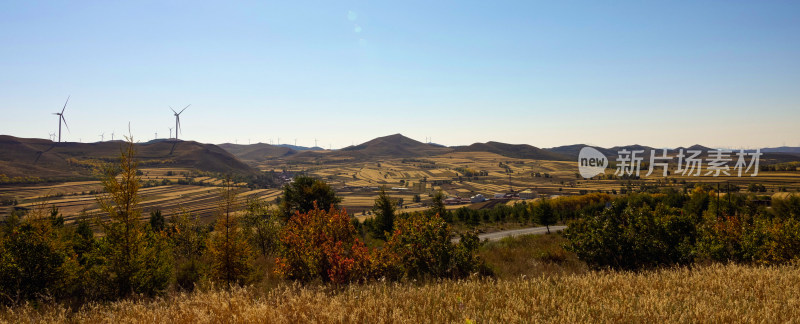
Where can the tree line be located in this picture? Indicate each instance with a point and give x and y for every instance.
(120, 252)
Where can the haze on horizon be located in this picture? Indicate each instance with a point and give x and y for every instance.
(721, 74)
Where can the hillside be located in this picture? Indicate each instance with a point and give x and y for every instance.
(395, 145)
(573, 150)
(48, 160)
(257, 152)
(520, 151)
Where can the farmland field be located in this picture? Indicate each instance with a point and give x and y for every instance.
(75, 198)
(717, 293)
(358, 183)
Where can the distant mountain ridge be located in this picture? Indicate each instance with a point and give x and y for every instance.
(47, 159)
(520, 151)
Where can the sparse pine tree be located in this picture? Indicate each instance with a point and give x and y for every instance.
(230, 254)
(438, 207)
(157, 221)
(136, 262)
(384, 210)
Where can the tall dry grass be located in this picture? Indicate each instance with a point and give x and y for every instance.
(716, 293)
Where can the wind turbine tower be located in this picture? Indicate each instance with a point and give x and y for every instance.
(62, 119)
(178, 120)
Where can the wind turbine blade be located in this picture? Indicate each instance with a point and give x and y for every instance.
(184, 108)
(65, 123)
(65, 105)
(178, 127)
(173, 110)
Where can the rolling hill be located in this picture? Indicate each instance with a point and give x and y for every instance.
(520, 151)
(396, 145)
(257, 152)
(572, 151)
(48, 160)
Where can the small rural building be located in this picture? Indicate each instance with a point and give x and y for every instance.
(477, 198)
(528, 194)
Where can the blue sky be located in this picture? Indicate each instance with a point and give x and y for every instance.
(666, 74)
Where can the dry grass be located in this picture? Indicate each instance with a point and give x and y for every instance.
(531, 256)
(715, 293)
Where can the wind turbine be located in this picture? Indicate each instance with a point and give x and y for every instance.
(52, 136)
(112, 136)
(102, 137)
(61, 118)
(178, 120)
(170, 132)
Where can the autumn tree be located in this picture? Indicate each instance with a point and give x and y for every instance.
(136, 261)
(322, 245)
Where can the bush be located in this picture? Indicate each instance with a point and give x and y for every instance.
(322, 245)
(32, 263)
(638, 237)
(421, 247)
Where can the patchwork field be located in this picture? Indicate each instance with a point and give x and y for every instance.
(76, 198)
(358, 182)
(171, 189)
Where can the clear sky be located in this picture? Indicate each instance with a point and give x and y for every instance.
(549, 73)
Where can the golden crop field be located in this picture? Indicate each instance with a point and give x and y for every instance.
(715, 293)
(358, 182)
(424, 176)
(74, 198)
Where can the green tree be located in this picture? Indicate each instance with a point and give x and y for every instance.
(301, 195)
(157, 221)
(262, 226)
(544, 214)
(438, 207)
(384, 210)
(230, 253)
(35, 262)
(188, 237)
(421, 247)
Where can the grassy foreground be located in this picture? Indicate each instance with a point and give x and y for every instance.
(716, 293)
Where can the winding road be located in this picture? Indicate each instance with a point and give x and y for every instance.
(496, 236)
